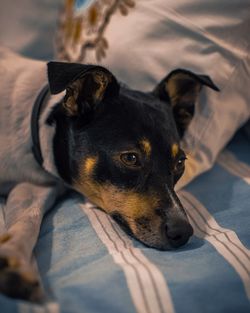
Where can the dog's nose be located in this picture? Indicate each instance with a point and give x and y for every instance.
(178, 232)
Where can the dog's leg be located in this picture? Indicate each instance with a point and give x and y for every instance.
(23, 213)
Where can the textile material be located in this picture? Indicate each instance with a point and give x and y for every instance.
(29, 27)
(88, 264)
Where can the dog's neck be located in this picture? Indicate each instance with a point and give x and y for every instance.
(47, 133)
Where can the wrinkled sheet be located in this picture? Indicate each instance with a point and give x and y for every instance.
(88, 264)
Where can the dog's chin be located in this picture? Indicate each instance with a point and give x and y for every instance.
(153, 244)
(122, 223)
(150, 241)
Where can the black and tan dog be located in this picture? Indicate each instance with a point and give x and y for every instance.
(115, 145)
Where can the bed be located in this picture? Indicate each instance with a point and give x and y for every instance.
(88, 264)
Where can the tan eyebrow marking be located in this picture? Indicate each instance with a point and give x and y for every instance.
(175, 150)
(146, 146)
(90, 164)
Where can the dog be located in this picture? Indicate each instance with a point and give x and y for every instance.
(117, 146)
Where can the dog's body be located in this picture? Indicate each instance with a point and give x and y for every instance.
(29, 188)
(21, 80)
(117, 146)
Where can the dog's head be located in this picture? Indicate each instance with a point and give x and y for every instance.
(120, 147)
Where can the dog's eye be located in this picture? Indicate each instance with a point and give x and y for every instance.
(180, 163)
(130, 159)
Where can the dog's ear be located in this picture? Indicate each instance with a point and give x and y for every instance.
(181, 88)
(85, 85)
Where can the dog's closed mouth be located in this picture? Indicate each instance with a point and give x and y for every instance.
(122, 223)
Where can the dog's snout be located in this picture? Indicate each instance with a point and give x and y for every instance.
(178, 232)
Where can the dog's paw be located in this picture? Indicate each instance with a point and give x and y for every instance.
(15, 282)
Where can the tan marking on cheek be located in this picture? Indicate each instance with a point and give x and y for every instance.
(146, 146)
(129, 203)
(85, 184)
(174, 150)
(131, 206)
(90, 189)
(89, 165)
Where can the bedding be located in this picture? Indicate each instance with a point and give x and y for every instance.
(88, 264)
(29, 26)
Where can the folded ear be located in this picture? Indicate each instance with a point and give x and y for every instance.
(181, 88)
(85, 85)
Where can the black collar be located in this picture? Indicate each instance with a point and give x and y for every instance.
(36, 148)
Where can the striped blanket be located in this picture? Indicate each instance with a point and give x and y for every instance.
(89, 265)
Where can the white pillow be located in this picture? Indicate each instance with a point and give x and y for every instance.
(154, 37)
